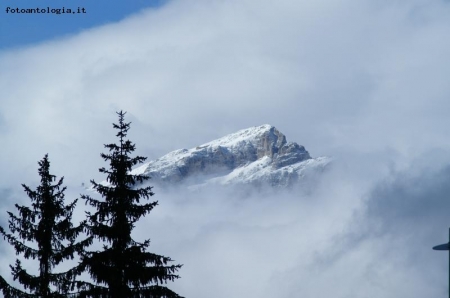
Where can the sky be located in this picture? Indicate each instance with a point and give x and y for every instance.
(18, 29)
(364, 82)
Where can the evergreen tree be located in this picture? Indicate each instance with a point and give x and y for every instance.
(124, 268)
(47, 223)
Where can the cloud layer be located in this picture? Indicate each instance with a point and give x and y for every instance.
(362, 81)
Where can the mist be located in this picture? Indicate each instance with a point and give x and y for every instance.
(364, 82)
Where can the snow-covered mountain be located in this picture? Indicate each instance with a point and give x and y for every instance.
(255, 156)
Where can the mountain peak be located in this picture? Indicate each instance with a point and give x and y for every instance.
(266, 139)
(242, 135)
(254, 155)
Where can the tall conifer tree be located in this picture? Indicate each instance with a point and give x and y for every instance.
(124, 269)
(47, 224)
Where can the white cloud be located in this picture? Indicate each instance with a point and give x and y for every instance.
(364, 81)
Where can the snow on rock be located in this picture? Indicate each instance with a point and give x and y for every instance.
(256, 155)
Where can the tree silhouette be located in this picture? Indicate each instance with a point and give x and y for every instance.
(47, 223)
(123, 268)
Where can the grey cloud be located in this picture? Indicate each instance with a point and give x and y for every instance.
(389, 240)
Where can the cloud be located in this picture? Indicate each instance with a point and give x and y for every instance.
(362, 81)
(346, 70)
(365, 237)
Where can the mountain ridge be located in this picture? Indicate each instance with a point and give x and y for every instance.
(256, 156)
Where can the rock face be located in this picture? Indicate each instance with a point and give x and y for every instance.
(257, 155)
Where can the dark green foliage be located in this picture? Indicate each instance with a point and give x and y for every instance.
(47, 224)
(123, 268)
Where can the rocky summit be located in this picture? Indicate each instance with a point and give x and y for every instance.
(255, 156)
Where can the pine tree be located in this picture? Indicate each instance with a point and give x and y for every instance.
(124, 268)
(47, 224)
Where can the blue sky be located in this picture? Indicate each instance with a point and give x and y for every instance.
(24, 29)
